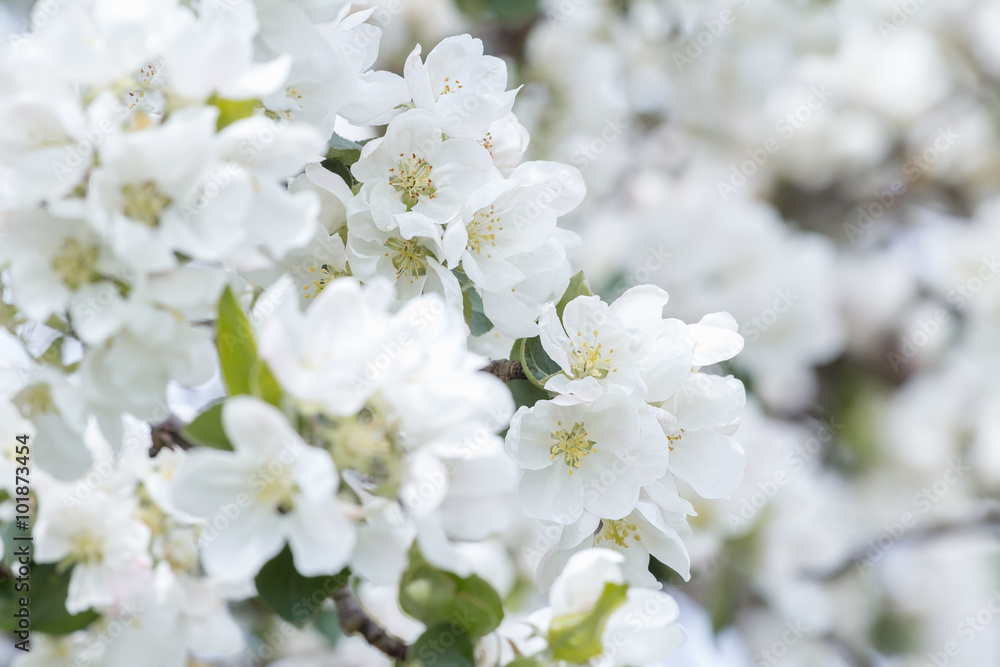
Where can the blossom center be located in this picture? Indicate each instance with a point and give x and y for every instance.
(487, 142)
(75, 263)
(586, 360)
(572, 445)
(278, 491)
(143, 202)
(323, 277)
(410, 257)
(448, 86)
(412, 179)
(674, 438)
(35, 400)
(85, 548)
(144, 81)
(481, 230)
(364, 445)
(618, 532)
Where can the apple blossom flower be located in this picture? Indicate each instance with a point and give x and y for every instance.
(288, 494)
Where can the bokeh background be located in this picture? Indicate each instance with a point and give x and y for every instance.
(828, 171)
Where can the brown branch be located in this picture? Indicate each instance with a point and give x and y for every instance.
(168, 434)
(506, 370)
(987, 521)
(854, 656)
(354, 620)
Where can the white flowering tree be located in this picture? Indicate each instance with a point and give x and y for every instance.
(392, 373)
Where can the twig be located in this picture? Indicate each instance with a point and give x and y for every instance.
(852, 655)
(168, 434)
(354, 620)
(506, 370)
(990, 519)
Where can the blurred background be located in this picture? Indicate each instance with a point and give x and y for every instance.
(827, 171)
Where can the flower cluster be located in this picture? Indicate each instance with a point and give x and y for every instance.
(632, 415)
(244, 348)
(595, 617)
(366, 387)
(442, 202)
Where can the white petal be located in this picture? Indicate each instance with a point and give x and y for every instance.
(258, 428)
(321, 537)
(237, 549)
(711, 463)
(715, 339)
(709, 400)
(552, 494)
(207, 479)
(657, 634)
(582, 581)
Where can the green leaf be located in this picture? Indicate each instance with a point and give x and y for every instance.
(231, 111)
(206, 429)
(435, 597)
(578, 286)
(10, 545)
(507, 12)
(48, 602)
(53, 355)
(526, 392)
(343, 149)
(526, 662)
(237, 350)
(472, 304)
(292, 596)
(342, 170)
(894, 632)
(264, 385)
(538, 366)
(341, 155)
(55, 322)
(577, 637)
(328, 624)
(441, 646)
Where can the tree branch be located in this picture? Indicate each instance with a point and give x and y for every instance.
(354, 620)
(990, 519)
(852, 655)
(506, 370)
(168, 434)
